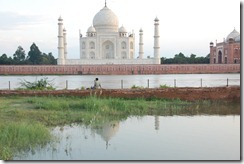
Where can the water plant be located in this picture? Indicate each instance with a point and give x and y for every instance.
(19, 136)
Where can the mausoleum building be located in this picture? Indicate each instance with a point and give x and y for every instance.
(106, 42)
(228, 51)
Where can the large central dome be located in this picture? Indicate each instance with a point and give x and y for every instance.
(106, 21)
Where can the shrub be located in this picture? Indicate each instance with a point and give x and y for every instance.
(164, 86)
(136, 87)
(42, 84)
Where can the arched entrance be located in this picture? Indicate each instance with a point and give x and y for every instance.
(220, 57)
(108, 50)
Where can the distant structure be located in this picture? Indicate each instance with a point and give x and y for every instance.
(226, 52)
(106, 43)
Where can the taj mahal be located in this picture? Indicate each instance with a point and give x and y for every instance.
(107, 43)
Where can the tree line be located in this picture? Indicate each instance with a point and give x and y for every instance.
(182, 59)
(34, 57)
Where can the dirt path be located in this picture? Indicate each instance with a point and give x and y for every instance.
(190, 94)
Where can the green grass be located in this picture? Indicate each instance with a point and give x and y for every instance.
(136, 87)
(164, 86)
(19, 136)
(25, 121)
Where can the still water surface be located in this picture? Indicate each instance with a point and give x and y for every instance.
(199, 137)
(127, 81)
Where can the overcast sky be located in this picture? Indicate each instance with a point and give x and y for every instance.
(186, 26)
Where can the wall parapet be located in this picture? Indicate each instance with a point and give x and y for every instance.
(118, 69)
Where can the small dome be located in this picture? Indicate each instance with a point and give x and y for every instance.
(234, 35)
(122, 29)
(156, 19)
(91, 29)
(60, 19)
(141, 30)
(106, 20)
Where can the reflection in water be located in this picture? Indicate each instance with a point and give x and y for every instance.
(178, 138)
(156, 122)
(107, 130)
(209, 132)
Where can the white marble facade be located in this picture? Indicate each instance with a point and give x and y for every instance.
(107, 43)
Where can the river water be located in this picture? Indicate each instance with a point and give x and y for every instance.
(146, 138)
(127, 81)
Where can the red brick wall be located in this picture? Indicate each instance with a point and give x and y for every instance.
(118, 69)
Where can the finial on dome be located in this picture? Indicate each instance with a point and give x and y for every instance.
(105, 3)
(60, 18)
(156, 19)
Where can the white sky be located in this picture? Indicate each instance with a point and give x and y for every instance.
(186, 26)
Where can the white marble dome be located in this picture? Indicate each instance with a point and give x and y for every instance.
(91, 29)
(234, 35)
(122, 29)
(106, 20)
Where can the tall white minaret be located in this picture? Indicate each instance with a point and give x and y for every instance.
(65, 44)
(141, 52)
(156, 41)
(60, 42)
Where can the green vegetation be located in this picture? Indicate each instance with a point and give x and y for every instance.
(25, 121)
(181, 59)
(42, 84)
(18, 136)
(34, 57)
(136, 87)
(164, 86)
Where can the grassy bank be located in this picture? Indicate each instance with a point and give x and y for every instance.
(25, 121)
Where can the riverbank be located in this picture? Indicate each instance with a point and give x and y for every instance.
(185, 93)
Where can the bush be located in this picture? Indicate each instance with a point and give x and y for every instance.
(42, 84)
(136, 87)
(164, 86)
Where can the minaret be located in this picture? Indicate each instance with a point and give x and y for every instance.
(157, 122)
(156, 41)
(60, 42)
(211, 53)
(65, 44)
(141, 52)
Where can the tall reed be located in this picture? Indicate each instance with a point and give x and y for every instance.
(20, 136)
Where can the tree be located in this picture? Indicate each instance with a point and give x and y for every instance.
(34, 55)
(48, 59)
(4, 59)
(19, 56)
(180, 58)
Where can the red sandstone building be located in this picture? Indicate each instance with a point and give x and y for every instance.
(226, 52)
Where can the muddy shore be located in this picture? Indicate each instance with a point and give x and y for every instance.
(185, 93)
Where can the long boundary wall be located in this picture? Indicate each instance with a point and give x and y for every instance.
(118, 69)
